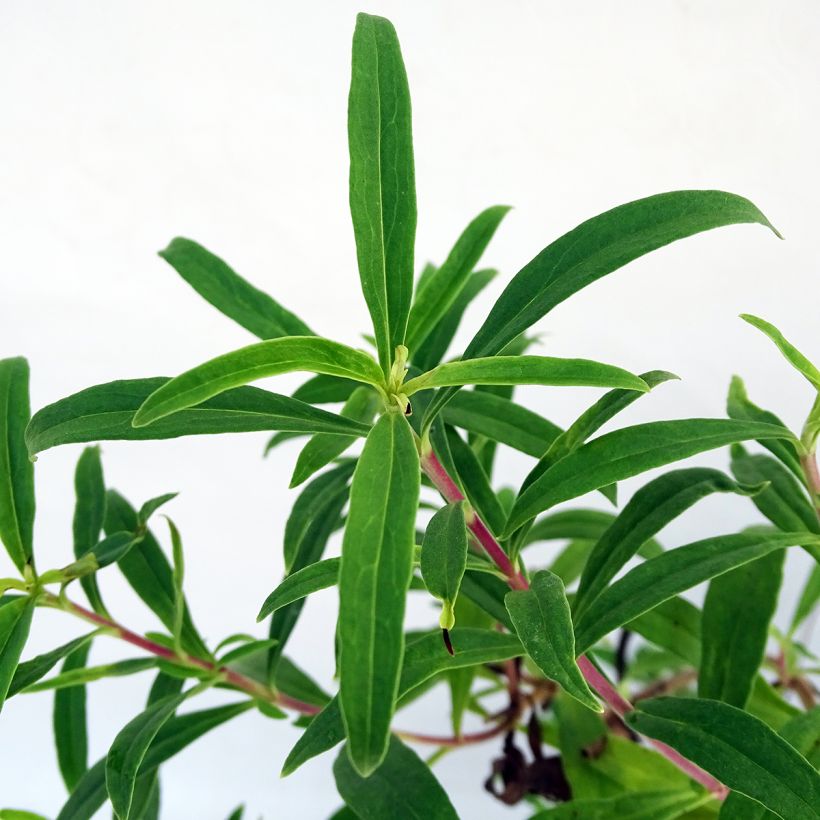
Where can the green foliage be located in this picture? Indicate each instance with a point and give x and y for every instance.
(541, 612)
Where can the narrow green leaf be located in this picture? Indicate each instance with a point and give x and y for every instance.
(587, 524)
(738, 749)
(229, 293)
(602, 245)
(628, 452)
(29, 672)
(475, 482)
(361, 406)
(542, 621)
(438, 291)
(16, 471)
(377, 557)
(802, 732)
(403, 780)
(740, 407)
(501, 420)
(792, 355)
(595, 248)
(105, 412)
(783, 501)
(80, 675)
(173, 737)
(114, 547)
(300, 584)
(178, 578)
(245, 649)
(545, 370)
(569, 563)
(674, 624)
(316, 515)
(310, 505)
(89, 514)
(152, 505)
(647, 513)
(325, 390)
(70, 723)
(654, 805)
(658, 579)
(736, 613)
(425, 657)
(15, 621)
(590, 421)
(254, 362)
(128, 750)
(435, 346)
(148, 572)
(444, 558)
(808, 599)
(382, 179)
(237, 813)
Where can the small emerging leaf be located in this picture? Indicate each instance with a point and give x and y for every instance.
(444, 558)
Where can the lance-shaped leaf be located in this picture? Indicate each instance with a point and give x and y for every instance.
(16, 470)
(783, 501)
(502, 420)
(89, 514)
(546, 370)
(444, 558)
(377, 558)
(257, 361)
(739, 406)
(802, 732)
(736, 613)
(298, 585)
(80, 675)
(738, 749)
(361, 406)
(148, 572)
(542, 621)
(129, 748)
(674, 625)
(316, 515)
(105, 412)
(15, 621)
(647, 513)
(325, 390)
(438, 291)
(808, 599)
(435, 346)
(307, 508)
(70, 722)
(229, 293)
(29, 672)
(173, 737)
(630, 451)
(425, 657)
(658, 579)
(792, 355)
(595, 248)
(590, 421)
(382, 179)
(402, 780)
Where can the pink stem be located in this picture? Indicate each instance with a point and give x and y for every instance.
(809, 464)
(252, 687)
(609, 694)
(451, 493)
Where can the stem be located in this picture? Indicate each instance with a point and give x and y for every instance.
(451, 493)
(609, 694)
(809, 464)
(460, 740)
(252, 687)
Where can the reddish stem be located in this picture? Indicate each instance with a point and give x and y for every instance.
(609, 694)
(460, 740)
(809, 464)
(254, 688)
(451, 493)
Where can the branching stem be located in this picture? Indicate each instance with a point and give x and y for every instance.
(610, 695)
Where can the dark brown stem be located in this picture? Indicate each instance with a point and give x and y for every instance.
(608, 693)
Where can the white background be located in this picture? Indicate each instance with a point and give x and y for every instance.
(124, 124)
